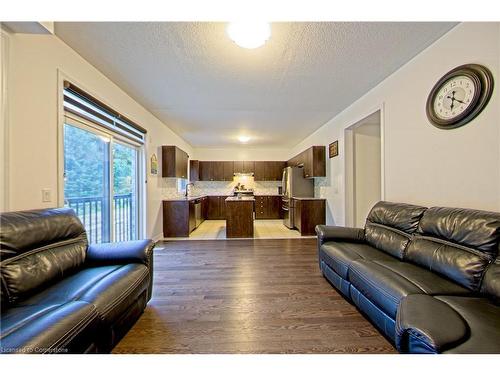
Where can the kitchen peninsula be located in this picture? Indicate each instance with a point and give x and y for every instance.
(239, 217)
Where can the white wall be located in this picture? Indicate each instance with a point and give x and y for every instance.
(3, 119)
(34, 61)
(241, 153)
(423, 164)
(366, 142)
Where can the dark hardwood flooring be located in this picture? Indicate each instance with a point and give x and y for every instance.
(247, 296)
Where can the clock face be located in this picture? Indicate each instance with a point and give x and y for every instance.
(454, 97)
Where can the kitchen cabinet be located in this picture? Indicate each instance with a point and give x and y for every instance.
(267, 207)
(212, 170)
(204, 208)
(268, 170)
(194, 170)
(228, 170)
(177, 218)
(216, 207)
(239, 217)
(224, 170)
(174, 162)
(308, 213)
(313, 161)
(244, 166)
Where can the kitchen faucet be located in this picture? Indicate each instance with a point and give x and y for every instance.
(187, 188)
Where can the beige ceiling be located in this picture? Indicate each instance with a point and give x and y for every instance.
(209, 90)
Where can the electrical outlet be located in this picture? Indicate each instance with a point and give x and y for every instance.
(46, 195)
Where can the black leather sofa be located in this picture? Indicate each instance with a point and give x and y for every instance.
(428, 278)
(60, 295)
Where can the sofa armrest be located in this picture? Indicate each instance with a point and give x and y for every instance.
(425, 324)
(333, 233)
(140, 251)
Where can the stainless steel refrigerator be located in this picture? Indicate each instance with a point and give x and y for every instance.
(294, 186)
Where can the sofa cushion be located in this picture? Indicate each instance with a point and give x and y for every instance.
(479, 230)
(110, 288)
(339, 255)
(385, 283)
(491, 282)
(38, 247)
(483, 320)
(67, 328)
(389, 226)
(462, 265)
(457, 243)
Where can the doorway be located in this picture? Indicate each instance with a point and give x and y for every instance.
(363, 157)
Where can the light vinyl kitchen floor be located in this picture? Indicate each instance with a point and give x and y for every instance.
(263, 229)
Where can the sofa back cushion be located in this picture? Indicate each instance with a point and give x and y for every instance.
(491, 282)
(457, 243)
(38, 247)
(389, 226)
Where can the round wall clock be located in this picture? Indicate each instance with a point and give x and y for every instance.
(459, 96)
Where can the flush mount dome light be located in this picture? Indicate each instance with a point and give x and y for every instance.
(243, 138)
(249, 34)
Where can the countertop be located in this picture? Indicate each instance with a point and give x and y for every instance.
(308, 199)
(193, 197)
(242, 199)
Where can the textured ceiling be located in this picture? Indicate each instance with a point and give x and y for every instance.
(209, 90)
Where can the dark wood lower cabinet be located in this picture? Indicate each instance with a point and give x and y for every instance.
(307, 214)
(239, 218)
(178, 218)
(267, 207)
(204, 208)
(216, 207)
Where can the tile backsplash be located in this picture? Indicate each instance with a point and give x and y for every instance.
(169, 187)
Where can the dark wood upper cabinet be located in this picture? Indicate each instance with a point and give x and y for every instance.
(174, 162)
(224, 170)
(244, 166)
(261, 173)
(269, 170)
(205, 170)
(313, 160)
(217, 171)
(194, 170)
(248, 166)
(279, 166)
(238, 166)
(228, 170)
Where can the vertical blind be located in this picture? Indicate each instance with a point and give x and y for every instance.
(78, 102)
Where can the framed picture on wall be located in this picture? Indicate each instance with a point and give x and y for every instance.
(333, 149)
(154, 164)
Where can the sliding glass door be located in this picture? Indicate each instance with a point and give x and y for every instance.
(101, 182)
(125, 191)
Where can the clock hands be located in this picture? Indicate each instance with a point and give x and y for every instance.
(453, 99)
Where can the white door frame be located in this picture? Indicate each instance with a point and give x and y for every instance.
(141, 168)
(349, 201)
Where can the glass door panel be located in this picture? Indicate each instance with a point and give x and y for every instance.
(125, 212)
(86, 180)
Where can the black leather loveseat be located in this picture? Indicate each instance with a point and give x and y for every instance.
(60, 295)
(428, 278)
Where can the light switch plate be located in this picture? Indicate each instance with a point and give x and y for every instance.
(46, 195)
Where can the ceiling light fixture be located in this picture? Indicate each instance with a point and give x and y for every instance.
(243, 138)
(249, 34)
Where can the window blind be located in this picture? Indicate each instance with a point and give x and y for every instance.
(78, 102)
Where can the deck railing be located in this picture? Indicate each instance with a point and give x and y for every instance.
(94, 214)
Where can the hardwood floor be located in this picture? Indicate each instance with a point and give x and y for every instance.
(247, 296)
